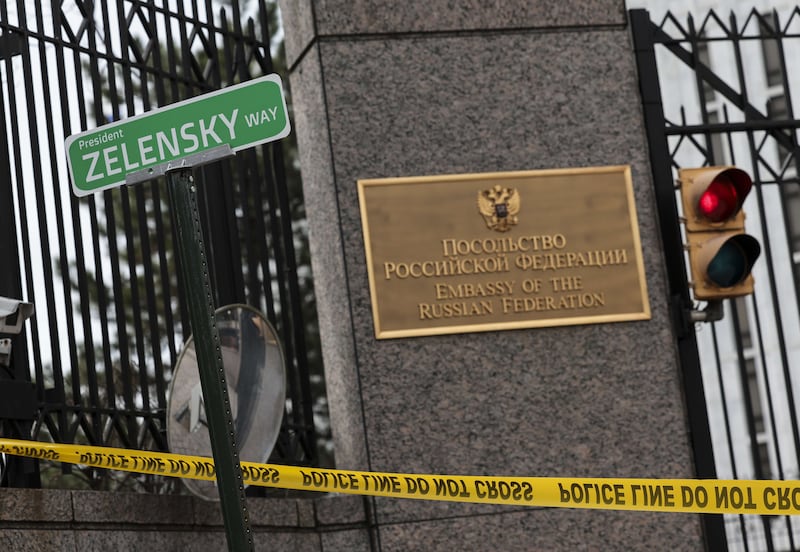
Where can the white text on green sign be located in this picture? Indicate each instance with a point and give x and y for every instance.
(239, 116)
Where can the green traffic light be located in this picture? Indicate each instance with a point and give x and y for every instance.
(733, 261)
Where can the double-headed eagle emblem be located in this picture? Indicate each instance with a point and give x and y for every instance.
(499, 207)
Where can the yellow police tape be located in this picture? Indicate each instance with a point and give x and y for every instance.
(653, 495)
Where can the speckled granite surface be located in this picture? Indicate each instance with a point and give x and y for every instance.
(378, 95)
(49, 520)
(308, 19)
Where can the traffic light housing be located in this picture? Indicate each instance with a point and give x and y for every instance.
(721, 255)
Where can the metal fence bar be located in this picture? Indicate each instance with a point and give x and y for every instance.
(751, 349)
(784, 69)
(80, 262)
(16, 472)
(109, 320)
(660, 161)
(136, 196)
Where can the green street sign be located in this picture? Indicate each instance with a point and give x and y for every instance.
(144, 146)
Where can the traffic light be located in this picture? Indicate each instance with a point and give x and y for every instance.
(721, 255)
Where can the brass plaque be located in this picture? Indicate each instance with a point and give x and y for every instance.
(499, 251)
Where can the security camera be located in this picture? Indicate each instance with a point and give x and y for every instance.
(13, 313)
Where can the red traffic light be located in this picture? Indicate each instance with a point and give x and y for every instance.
(721, 255)
(722, 197)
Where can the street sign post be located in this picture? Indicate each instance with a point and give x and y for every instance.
(199, 300)
(146, 146)
(172, 140)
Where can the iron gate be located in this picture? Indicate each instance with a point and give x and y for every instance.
(728, 101)
(96, 360)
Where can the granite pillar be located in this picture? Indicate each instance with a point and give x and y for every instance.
(383, 89)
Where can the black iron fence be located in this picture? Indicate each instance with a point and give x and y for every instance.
(95, 362)
(717, 90)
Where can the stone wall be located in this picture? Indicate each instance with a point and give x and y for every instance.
(385, 89)
(49, 520)
(382, 89)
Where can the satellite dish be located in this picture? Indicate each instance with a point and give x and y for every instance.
(255, 375)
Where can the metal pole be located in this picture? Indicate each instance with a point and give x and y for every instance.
(200, 302)
(21, 473)
(643, 31)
